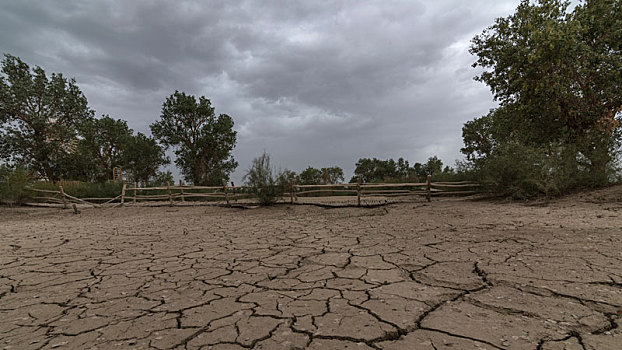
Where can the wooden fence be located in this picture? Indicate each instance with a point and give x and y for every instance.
(131, 193)
(360, 190)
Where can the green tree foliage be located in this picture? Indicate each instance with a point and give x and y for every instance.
(142, 157)
(260, 178)
(107, 143)
(375, 170)
(104, 142)
(556, 75)
(479, 137)
(332, 175)
(203, 142)
(39, 117)
(403, 169)
(419, 171)
(161, 178)
(433, 166)
(310, 176)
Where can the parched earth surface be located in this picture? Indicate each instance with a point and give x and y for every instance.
(451, 274)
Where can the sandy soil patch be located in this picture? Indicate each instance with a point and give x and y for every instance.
(451, 274)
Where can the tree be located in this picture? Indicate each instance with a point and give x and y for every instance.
(310, 176)
(420, 171)
(479, 137)
(433, 166)
(39, 117)
(375, 170)
(143, 157)
(332, 175)
(161, 178)
(403, 168)
(448, 170)
(556, 75)
(105, 141)
(203, 142)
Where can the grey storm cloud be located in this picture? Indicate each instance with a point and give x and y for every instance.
(317, 83)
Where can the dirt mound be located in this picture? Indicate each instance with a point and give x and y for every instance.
(612, 194)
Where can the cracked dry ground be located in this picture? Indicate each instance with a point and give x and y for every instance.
(448, 275)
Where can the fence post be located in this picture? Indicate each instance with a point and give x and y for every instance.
(291, 192)
(181, 190)
(358, 190)
(428, 194)
(170, 195)
(62, 194)
(295, 194)
(224, 188)
(135, 185)
(235, 198)
(123, 194)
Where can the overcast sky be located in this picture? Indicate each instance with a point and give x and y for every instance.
(317, 83)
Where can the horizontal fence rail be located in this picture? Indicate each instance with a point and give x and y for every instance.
(182, 193)
(427, 189)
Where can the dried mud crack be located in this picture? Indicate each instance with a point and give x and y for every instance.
(448, 275)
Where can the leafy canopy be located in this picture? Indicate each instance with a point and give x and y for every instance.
(310, 176)
(555, 72)
(103, 143)
(556, 75)
(377, 170)
(39, 117)
(107, 143)
(142, 157)
(203, 142)
(332, 175)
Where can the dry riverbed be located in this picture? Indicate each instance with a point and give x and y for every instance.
(452, 274)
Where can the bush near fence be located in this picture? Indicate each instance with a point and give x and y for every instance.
(13, 185)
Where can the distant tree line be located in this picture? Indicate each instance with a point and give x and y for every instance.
(376, 170)
(373, 170)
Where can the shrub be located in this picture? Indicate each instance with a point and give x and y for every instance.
(14, 185)
(261, 181)
(522, 172)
